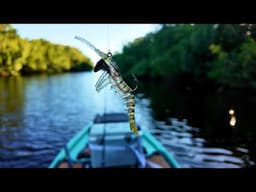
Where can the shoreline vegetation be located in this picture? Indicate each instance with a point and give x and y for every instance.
(223, 55)
(19, 56)
(215, 55)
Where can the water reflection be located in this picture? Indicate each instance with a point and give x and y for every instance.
(200, 135)
(232, 121)
(190, 150)
(39, 114)
(11, 100)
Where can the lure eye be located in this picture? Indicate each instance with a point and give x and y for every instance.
(109, 54)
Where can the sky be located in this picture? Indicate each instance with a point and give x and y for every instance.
(102, 36)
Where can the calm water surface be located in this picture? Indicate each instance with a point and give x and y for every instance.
(39, 114)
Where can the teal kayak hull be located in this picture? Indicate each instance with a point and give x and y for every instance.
(77, 143)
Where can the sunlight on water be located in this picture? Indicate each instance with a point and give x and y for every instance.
(39, 114)
(190, 150)
(232, 121)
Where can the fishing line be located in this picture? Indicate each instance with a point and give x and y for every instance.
(108, 37)
(105, 107)
(104, 129)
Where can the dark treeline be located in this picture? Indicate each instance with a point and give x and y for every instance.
(21, 56)
(223, 54)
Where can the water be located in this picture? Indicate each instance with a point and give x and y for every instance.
(39, 114)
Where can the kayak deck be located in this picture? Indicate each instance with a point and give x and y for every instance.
(154, 161)
(78, 154)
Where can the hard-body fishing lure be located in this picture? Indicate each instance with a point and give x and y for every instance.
(111, 75)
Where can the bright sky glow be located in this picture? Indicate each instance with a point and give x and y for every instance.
(97, 34)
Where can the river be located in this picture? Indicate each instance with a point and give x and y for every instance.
(39, 114)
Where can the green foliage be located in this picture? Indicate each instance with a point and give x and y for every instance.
(223, 53)
(20, 56)
(236, 68)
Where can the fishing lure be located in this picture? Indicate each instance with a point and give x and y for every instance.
(111, 75)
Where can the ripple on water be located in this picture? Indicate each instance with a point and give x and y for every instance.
(190, 151)
(48, 111)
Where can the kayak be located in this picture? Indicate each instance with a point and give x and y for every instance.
(107, 142)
